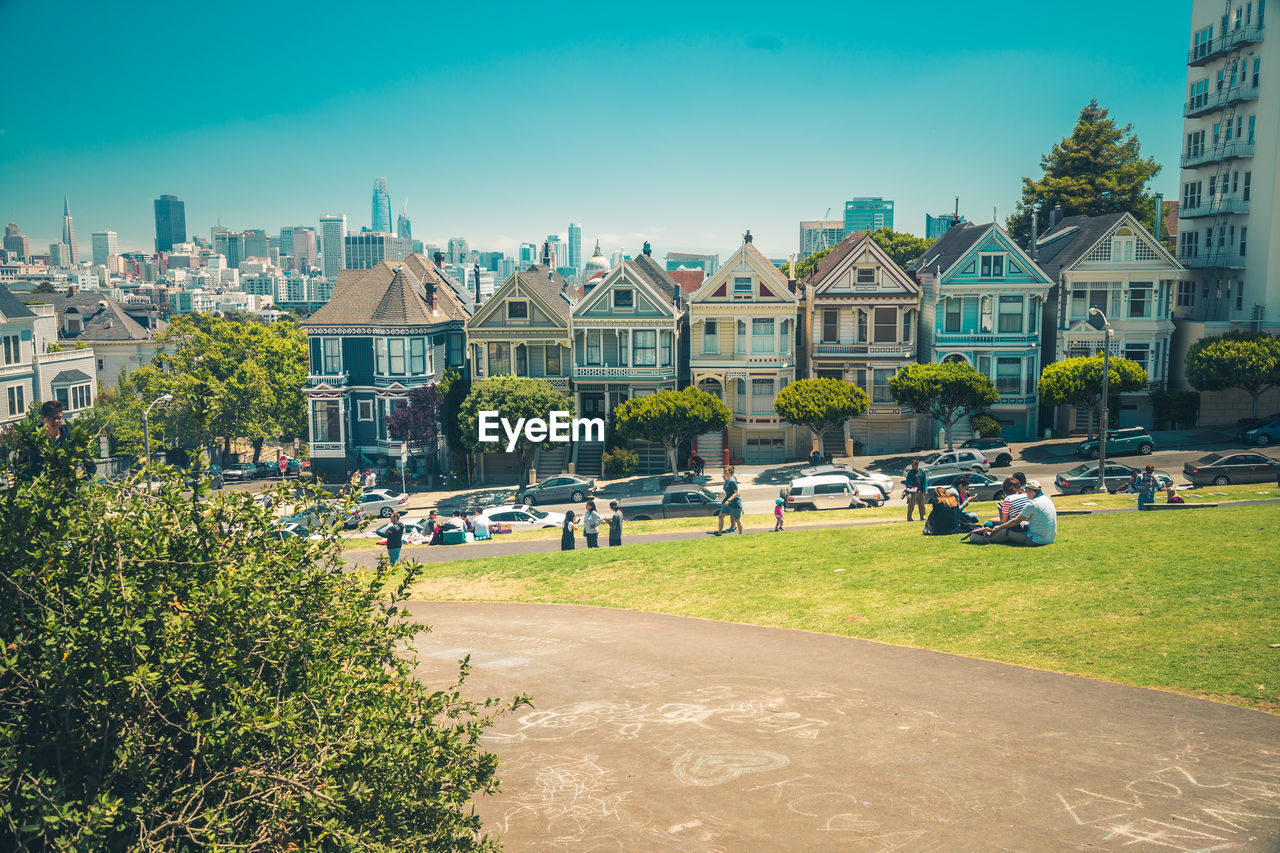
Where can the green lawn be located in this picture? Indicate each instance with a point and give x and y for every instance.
(1184, 601)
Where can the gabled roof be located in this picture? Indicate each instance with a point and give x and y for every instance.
(859, 242)
(951, 247)
(453, 299)
(758, 262)
(548, 284)
(643, 272)
(389, 294)
(102, 318)
(689, 280)
(13, 308)
(661, 280)
(1074, 237)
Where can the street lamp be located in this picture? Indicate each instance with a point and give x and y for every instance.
(146, 427)
(1103, 416)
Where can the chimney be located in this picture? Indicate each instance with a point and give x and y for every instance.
(648, 250)
(438, 257)
(475, 272)
(546, 254)
(746, 238)
(1157, 224)
(1056, 216)
(429, 287)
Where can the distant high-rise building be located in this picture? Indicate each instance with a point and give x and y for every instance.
(559, 252)
(69, 231)
(365, 250)
(936, 226)
(528, 254)
(867, 214)
(381, 223)
(171, 223)
(303, 248)
(692, 261)
(59, 255)
(457, 250)
(255, 243)
(819, 234)
(105, 245)
(333, 244)
(575, 245)
(16, 243)
(229, 244)
(404, 228)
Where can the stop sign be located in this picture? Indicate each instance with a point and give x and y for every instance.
(284, 463)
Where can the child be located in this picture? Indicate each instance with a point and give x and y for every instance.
(1173, 497)
(777, 514)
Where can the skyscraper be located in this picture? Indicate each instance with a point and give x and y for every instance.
(104, 246)
(575, 245)
(15, 242)
(528, 255)
(69, 231)
(381, 223)
(364, 251)
(936, 226)
(404, 228)
(303, 248)
(457, 249)
(333, 244)
(867, 214)
(171, 223)
(819, 234)
(255, 243)
(559, 257)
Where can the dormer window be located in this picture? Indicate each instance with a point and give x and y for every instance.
(624, 299)
(1122, 248)
(866, 275)
(518, 310)
(742, 288)
(992, 266)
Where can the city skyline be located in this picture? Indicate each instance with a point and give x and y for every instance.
(669, 174)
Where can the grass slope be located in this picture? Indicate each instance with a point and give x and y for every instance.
(1175, 600)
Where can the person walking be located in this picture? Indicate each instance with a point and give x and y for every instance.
(395, 538)
(591, 525)
(1147, 485)
(615, 525)
(913, 486)
(777, 514)
(566, 534)
(730, 493)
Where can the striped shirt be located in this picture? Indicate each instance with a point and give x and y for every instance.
(1011, 507)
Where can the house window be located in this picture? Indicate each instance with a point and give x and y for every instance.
(518, 310)
(1011, 314)
(396, 348)
(499, 358)
(326, 421)
(331, 353)
(742, 336)
(952, 317)
(1098, 299)
(866, 275)
(886, 325)
(593, 346)
(992, 266)
(1008, 375)
(908, 320)
(862, 326)
(762, 335)
(1252, 121)
(74, 326)
(101, 362)
(1244, 237)
(860, 378)
(710, 337)
(624, 299)
(830, 327)
(455, 347)
(740, 398)
(1079, 308)
(1186, 294)
(667, 346)
(1248, 179)
(364, 410)
(1191, 194)
(646, 347)
(553, 360)
(784, 336)
(1190, 244)
(880, 392)
(1122, 249)
(17, 400)
(742, 288)
(12, 349)
(522, 360)
(1138, 353)
(417, 356)
(761, 396)
(72, 397)
(1140, 299)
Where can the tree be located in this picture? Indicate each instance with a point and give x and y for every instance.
(671, 418)
(175, 677)
(809, 265)
(902, 247)
(419, 420)
(820, 404)
(513, 398)
(947, 392)
(44, 287)
(1097, 170)
(1078, 382)
(1246, 360)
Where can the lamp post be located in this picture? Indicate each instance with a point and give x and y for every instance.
(146, 426)
(1103, 415)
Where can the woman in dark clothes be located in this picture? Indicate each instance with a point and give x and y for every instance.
(566, 537)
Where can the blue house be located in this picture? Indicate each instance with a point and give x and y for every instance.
(386, 331)
(981, 302)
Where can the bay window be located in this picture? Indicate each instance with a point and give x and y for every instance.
(667, 345)
(761, 396)
(1008, 375)
(395, 347)
(1011, 314)
(326, 420)
(417, 356)
(880, 391)
(762, 335)
(499, 358)
(553, 360)
(646, 348)
(886, 325)
(593, 347)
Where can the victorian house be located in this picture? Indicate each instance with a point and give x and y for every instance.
(629, 340)
(34, 368)
(1113, 264)
(982, 298)
(386, 331)
(742, 349)
(859, 313)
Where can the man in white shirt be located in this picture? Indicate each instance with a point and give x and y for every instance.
(370, 479)
(1039, 517)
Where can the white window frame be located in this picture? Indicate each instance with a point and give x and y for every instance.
(762, 336)
(517, 320)
(762, 399)
(644, 348)
(618, 292)
(988, 263)
(710, 337)
(364, 410)
(742, 295)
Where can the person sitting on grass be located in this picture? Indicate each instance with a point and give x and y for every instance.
(945, 517)
(1038, 524)
(1131, 487)
(960, 488)
(1014, 500)
(1172, 496)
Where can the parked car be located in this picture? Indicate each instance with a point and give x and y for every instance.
(674, 502)
(292, 530)
(1083, 478)
(1120, 442)
(1223, 469)
(953, 462)
(831, 491)
(413, 526)
(1261, 432)
(241, 471)
(562, 488)
(213, 474)
(883, 482)
(654, 485)
(325, 514)
(996, 450)
(382, 502)
(984, 486)
(522, 517)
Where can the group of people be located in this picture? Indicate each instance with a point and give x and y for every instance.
(434, 529)
(1145, 484)
(1026, 515)
(591, 521)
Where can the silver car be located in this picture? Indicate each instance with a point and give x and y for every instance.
(382, 502)
(857, 476)
(563, 488)
(1083, 478)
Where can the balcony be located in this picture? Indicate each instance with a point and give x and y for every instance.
(597, 372)
(985, 339)
(1215, 207)
(1206, 52)
(1227, 258)
(1211, 101)
(853, 350)
(333, 380)
(1016, 399)
(1217, 154)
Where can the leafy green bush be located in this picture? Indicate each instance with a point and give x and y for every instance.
(986, 426)
(174, 677)
(619, 462)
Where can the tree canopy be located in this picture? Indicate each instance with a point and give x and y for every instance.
(419, 420)
(1078, 382)
(174, 676)
(670, 418)
(1245, 360)
(514, 398)
(820, 404)
(947, 392)
(1097, 170)
(902, 247)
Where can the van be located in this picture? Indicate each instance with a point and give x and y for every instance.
(829, 491)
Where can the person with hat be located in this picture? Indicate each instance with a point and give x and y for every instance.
(777, 514)
(1038, 524)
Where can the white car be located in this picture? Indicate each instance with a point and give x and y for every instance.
(857, 476)
(521, 517)
(382, 502)
(953, 462)
(413, 526)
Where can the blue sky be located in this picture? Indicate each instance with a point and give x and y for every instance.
(683, 124)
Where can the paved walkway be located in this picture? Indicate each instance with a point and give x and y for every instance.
(659, 733)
